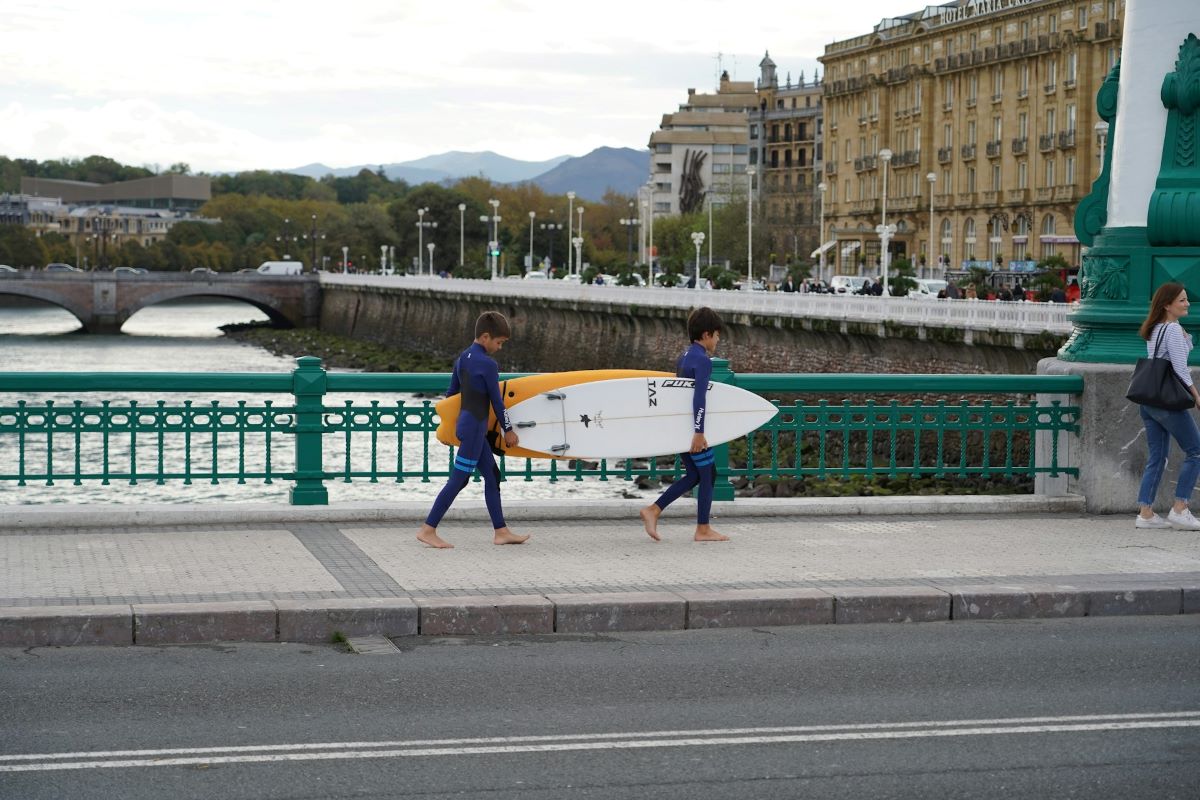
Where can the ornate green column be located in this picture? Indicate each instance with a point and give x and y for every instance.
(1125, 263)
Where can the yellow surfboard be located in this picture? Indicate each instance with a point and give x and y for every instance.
(519, 389)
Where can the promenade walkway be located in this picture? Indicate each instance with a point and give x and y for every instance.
(179, 574)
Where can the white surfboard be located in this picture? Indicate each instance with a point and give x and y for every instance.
(633, 417)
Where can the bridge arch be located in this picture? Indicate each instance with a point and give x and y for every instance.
(263, 302)
(63, 301)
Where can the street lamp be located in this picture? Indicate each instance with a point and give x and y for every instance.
(421, 226)
(461, 252)
(629, 224)
(431, 245)
(1102, 136)
(532, 215)
(884, 230)
(708, 194)
(698, 239)
(345, 260)
(578, 242)
(383, 261)
(286, 237)
(650, 211)
(494, 242)
(552, 229)
(313, 237)
(578, 263)
(750, 227)
(570, 230)
(932, 178)
(823, 187)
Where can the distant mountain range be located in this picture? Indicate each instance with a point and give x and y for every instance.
(621, 169)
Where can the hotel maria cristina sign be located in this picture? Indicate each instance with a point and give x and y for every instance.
(979, 8)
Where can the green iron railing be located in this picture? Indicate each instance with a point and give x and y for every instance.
(313, 437)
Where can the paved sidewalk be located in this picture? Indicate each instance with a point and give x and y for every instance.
(153, 575)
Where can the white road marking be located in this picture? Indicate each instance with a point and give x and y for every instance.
(416, 748)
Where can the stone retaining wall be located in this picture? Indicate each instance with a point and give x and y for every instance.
(557, 335)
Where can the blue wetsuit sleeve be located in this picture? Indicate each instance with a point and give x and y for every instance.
(492, 378)
(703, 372)
(455, 388)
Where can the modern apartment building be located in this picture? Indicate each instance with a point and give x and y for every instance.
(703, 147)
(987, 109)
(182, 193)
(786, 149)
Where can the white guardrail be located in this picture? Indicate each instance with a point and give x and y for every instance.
(979, 315)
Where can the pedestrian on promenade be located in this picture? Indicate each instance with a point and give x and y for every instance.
(704, 330)
(477, 378)
(1165, 337)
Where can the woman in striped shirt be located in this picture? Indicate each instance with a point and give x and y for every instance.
(1165, 337)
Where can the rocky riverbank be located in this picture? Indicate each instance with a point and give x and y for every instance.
(339, 352)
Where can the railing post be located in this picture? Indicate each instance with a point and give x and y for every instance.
(722, 488)
(308, 386)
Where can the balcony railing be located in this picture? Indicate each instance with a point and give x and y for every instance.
(1050, 88)
(865, 163)
(1020, 145)
(1066, 140)
(944, 154)
(831, 168)
(1045, 194)
(1046, 142)
(1064, 193)
(991, 198)
(968, 152)
(1016, 196)
(993, 148)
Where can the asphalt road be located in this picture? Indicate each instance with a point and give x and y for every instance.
(1095, 708)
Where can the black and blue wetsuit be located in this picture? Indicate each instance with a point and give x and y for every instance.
(701, 471)
(476, 376)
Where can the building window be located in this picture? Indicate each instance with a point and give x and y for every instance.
(1072, 65)
(1069, 174)
(1081, 17)
(1023, 78)
(969, 239)
(1022, 175)
(1051, 121)
(662, 148)
(1023, 125)
(1048, 247)
(1054, 23)
(970, 179)
(995, 177)
(1049, 173)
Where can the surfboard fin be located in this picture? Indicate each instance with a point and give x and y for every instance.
(527, 424)
(554, 395)
(560, 448)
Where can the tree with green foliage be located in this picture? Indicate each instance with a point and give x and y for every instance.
(902, 280)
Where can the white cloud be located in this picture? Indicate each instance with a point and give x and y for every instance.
(230, 84)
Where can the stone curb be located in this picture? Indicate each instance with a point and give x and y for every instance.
(315, 621)
(116, 516)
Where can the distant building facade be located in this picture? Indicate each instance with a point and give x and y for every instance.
(40, 214)
(703, 147)
(988, 109)
(179, 193)
(786, 149)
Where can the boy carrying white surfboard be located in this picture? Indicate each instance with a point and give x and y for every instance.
(704, 330)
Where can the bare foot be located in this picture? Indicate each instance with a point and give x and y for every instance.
(505, 536)
(705, 533)
(649, 516)
(428, 537)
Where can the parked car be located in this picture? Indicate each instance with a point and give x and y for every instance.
(535, 275)
(203, 271)
(571, 279)
(845, 284)
(7, 268)
(281, 267)
(58, 266)
(251, 271)
(129, 271)
(927, 288)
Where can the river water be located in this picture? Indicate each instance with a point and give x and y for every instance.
(185, 337)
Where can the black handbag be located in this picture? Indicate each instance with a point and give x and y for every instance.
(1154, 383)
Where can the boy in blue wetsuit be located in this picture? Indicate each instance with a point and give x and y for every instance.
(476, 376)
(704, 328)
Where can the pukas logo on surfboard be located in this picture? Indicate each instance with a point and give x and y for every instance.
(652, 387)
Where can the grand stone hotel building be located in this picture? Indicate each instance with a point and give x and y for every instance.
(988, 110)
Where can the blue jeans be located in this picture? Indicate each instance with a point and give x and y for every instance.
(1161, 425)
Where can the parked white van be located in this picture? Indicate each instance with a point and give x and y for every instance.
(927, 288)
(281, 267)
(846, 284)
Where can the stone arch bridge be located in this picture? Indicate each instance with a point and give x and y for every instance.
(103, 301)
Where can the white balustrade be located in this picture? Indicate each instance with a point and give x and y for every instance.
(981, 315)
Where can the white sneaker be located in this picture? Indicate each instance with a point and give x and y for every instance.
(1183, 520)
(1155, 521)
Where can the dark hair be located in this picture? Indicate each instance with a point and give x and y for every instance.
(701, 321)
(1163, 297)
(494, 324)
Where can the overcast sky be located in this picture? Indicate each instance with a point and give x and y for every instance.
(225, 85)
